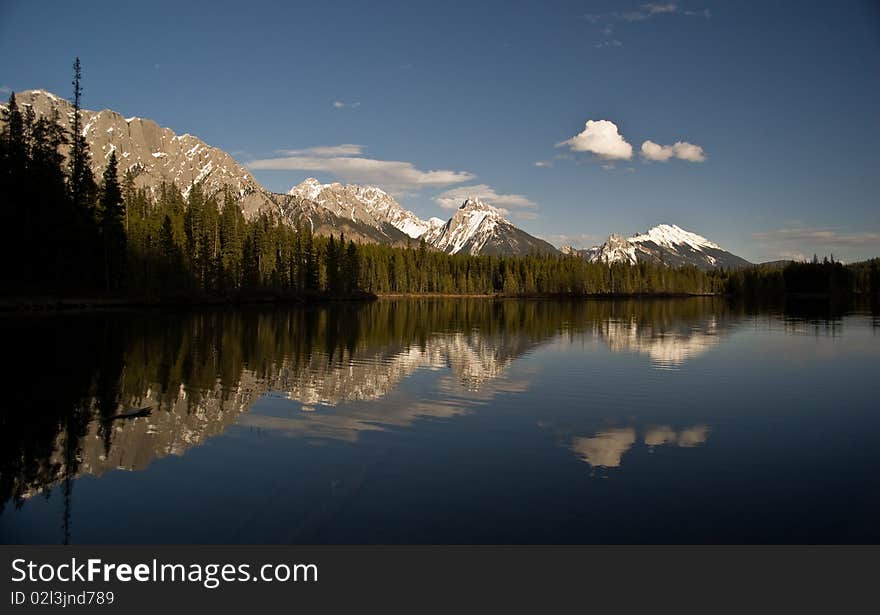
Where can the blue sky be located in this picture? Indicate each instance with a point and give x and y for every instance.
(774, 105)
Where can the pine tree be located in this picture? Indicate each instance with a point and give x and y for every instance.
(81, 181)
(13, 208)
(310, 261)
(231, 230)
(351, 269)
(111, 217)
(332, 265)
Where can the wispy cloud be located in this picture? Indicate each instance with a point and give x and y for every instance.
(818, 237)
(543, 164)
(5, 89)
(577, 240)
(340, 104)
(791, 255)
(647, 11)
(797, 243)
(344, 149)
(704, 13)
(602, 138)
(515, 204)
(680, 149)
(604, 22)
(344, 161)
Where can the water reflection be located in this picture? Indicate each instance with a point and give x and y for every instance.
(116, 391)
(606, 448)
(686, 438)
(667, 346)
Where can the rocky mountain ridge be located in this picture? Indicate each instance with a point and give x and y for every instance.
(666, 244)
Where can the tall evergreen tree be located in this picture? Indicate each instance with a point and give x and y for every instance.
(111, 217)
(81, 181)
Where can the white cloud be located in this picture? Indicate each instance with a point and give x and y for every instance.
(610, 43)
(655, 152)
(5, 89)
(818, 237)
(544, 163)
(343, 149)
(600, 137)
(688, 151)
(681, 149)
(454, 197)
(339, 104)
(398, 177)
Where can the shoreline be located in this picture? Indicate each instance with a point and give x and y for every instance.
(88, 303)
(57, 304)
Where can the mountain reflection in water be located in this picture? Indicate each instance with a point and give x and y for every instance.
(122, 389)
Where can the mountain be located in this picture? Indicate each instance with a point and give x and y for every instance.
(479, 228)
(667, 244)
(372, 210)
(475, 228)
(153, 153)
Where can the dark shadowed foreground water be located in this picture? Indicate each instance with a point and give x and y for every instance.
(443, 421)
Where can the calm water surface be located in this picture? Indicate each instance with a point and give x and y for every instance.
(443, 421)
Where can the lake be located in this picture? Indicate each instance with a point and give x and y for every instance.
(444, 421)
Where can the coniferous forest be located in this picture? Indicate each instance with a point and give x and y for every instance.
(68, 233)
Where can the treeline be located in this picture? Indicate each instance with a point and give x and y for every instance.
(419, 270)
(180, 244)
(817, 278)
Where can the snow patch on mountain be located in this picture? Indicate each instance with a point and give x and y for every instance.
(667, 244)
(365, 204)
(472, 225)
(671, 235)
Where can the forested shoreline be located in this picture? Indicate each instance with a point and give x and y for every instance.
(70, 239)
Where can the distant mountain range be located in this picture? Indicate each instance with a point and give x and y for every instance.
(158, 155)
(663, 244)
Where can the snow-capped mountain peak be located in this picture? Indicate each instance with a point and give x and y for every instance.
(475, 204)
(479, 228)
(364, 205)
(309, 188)
(615, 250)
(666, 244)
(670, 235)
